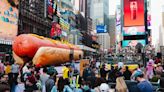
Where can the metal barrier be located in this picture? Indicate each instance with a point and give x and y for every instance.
(155, 85)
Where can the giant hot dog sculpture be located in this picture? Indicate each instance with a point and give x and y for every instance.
(43, 51)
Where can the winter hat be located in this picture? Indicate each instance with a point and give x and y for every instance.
(138, 73)
(104, 87)
(51, 70)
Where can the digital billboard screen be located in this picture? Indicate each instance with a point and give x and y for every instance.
(101, 29)
(133, 12)
(133, 42)
(135, 30)
(8, 19)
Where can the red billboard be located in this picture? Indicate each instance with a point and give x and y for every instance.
(133, 12)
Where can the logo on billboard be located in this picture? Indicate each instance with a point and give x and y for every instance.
(101, 28)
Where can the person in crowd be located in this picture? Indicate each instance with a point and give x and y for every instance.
(60, 84)
(50, 83)
(142, 68)
(87, 72)
(86, 86)
(143, 85)
(4, 87)
(20, 87)
(25, 69)
(51, 69)
(8, 68)
(120, 64)
(127, 74)
(104, 87)
(15, 73)
(44, 77)
(8, 72)
(111, 75)
(103, 72)
(38, 84)
(15, 70)
(97, 84)
(132, 78)
(139, 67)
(31, 82)
(157, 60)
(119, 72)
(66, 71)
(67, 87)
(162, 82)
(158, 70)
(149, 69)
(2, 69)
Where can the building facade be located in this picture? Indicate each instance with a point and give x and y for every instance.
(32, 19)
(103, 39)
(100, 16)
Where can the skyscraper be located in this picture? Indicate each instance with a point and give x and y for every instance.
(100, 16)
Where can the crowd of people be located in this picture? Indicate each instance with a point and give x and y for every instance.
(29, 78)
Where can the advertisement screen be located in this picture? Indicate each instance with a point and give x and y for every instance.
(8, 19)
(133, 12)
(133, 42)
(101, 29)
(138, 30)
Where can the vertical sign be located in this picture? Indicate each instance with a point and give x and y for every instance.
(50, 7)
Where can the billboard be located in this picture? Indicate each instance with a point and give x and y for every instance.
(101, 28)
(8, 19)
(133, 12)
(133, 42)
(135, 30)
(50, 6)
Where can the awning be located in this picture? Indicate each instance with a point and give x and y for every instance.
(6, 42)
(83, 47)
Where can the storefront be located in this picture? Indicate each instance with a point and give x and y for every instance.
(5, 51)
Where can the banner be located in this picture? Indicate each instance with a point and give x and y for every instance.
(8, 19)
(133, 12)
(135, 30)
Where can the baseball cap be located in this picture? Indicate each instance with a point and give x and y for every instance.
(104, 87)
